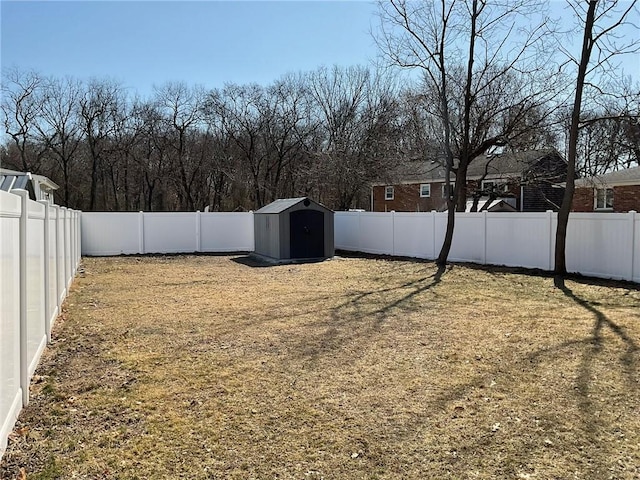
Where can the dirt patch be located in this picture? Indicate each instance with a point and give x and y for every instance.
(207, 367)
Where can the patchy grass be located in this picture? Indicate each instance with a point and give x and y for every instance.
(207, 367)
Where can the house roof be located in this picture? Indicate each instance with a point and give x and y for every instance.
(282, 204)
(12, 179)
(496, 205)
(502, 165)
(627, 176)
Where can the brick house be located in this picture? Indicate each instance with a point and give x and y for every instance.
(528, 181)
(617, 191)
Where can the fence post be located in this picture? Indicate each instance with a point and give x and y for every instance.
(433, 234)
(60, 289)
(72, 269)
(66, 249)
(484, 237)
(551, 262)
(632, 226)
(24, 366)
(74, 241)
(141, 232)
(47, 272)
(79, 237)
(198, 231)
(393, 232)
(359, 232)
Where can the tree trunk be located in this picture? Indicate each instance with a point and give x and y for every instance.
(565, 208)
(441, 261)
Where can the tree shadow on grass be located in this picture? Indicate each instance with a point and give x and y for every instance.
(628, 359)
(354, 319)
(533, 445)
(419, 286)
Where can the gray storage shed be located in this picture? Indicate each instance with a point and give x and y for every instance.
(294, 228)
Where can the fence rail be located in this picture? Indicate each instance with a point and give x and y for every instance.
(39, 257)
(605, 245)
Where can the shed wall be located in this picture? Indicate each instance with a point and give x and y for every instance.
(267, 232)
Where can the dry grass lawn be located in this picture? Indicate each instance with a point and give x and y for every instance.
(357, 368)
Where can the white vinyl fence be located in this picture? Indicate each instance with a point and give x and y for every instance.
(598, 244)
(603, 245)
(118, 233)
(39, 256)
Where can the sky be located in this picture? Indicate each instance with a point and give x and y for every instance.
(147, 43)
(143, 43)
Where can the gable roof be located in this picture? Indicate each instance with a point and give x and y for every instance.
(496, 205)
(502, 165)
(627, 176)
(38, 186)
(283, 204)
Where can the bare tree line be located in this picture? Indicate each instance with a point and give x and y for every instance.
(326, 134)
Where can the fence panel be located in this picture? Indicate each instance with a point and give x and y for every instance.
(376, 232)
(53, 266)
(468, 237)
(346, 230)
(412, 235)
(226, 232)
(36, 334)
(60, 261)
(170, 232)
(10, 393)
(111, 233)
(68, 264)
(600, 245)
(519, 240)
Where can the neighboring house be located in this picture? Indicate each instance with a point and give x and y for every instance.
(38, 186)
(524, 181)
(617, 191)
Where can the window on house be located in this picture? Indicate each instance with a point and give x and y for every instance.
(604, 198)
(388, 193)
(425, 190)
(494, 186)
(444, 189)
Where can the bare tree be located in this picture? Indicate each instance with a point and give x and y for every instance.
(96, 106)
(608, 135)
(482, 74)
(285, 128)
(150, 154)
(357, 115)
(21, 105)
(599, 20)
(59, 127)
(182, 107)
(239, 110)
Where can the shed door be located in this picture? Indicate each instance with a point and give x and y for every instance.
(306, 234)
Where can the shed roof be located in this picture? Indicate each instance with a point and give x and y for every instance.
(282, 204)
